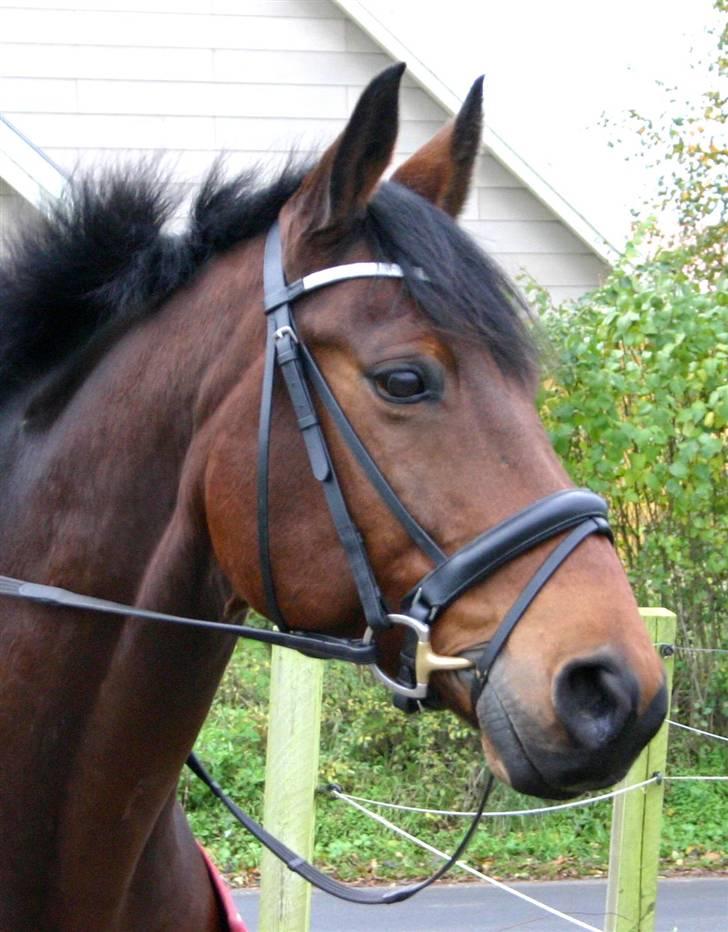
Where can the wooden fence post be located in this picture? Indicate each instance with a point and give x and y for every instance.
(636, 817)
(291, 775)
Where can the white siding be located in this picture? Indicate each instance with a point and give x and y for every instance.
(13, 210)
(101, 80)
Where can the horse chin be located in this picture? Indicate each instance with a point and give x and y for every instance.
(516, 769)
(518, 756)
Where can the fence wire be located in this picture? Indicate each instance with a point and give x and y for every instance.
(462, 865)
(357, 802)
(689, 776)
(694, 650)
(697, 731)
(559, 807)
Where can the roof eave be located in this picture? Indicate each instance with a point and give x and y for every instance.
(27, 169)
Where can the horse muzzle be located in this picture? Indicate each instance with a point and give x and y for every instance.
(596, 735)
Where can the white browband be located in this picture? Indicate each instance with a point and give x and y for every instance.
(340, 273)
(337, 273)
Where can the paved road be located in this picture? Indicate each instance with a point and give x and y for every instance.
(683, 905)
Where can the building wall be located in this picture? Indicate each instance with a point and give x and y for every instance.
(13, 210)
(109, 80)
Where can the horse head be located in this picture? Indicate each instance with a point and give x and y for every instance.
(436, 372)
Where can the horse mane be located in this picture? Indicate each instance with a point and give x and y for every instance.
(101, 260)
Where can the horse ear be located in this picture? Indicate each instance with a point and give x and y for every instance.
(442, 169)
(337, 190)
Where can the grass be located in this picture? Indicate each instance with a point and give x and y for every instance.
(430, 760)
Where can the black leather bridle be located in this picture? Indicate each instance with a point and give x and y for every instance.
(576, 510)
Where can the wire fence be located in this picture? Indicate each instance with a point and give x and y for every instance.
(636, 816)
(694, 650)
(338, 793)
(361, 804)
(697, 731)
(559, 807)
(357, 802)
(462, 864)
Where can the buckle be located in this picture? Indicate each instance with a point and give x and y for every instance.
(285, 331)
(427, 661)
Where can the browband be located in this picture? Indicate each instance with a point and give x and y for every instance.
(335, 273)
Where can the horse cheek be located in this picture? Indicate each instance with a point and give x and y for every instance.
(229, 502)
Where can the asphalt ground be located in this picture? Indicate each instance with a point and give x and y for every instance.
(683, 905)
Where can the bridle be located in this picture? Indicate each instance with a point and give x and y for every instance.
(578, 511)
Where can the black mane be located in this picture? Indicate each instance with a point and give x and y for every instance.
(101, 260)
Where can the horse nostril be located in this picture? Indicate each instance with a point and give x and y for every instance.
(594, 700)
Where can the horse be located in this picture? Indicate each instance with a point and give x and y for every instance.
(132, 360)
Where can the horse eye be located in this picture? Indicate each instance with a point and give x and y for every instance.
(402, 384)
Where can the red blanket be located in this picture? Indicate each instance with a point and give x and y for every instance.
(224, 897)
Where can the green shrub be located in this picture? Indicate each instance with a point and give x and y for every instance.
(637, 407)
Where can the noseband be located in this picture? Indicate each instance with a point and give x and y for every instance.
(578, 511)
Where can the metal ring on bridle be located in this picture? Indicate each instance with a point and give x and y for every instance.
(427, 661)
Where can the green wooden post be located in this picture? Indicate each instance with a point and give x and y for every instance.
(636, 817)
(291, 775)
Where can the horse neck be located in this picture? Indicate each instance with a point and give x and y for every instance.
(100, 715)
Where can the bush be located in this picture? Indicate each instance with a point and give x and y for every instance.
(637, 406)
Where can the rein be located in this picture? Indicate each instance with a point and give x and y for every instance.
(578, 511)
(314, 645)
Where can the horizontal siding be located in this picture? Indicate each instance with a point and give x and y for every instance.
(308, 9)
(13, 212)
(99, 81)
(556, 270)
(200, 98)
(539, 236)
(190, 165)
(92, 62)
(175, 64)
(315, 9)
(174, 98)
(490, 173)
(242, 33)
(358, 41)
(510, 204)
(276, 67)
(141, 132)
(172, 132)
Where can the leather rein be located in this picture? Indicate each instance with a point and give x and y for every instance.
(578, 511)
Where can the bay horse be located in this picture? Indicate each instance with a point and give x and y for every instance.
(132, 362)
